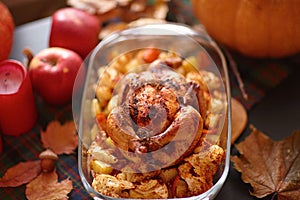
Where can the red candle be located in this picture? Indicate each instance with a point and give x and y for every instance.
(18, 112)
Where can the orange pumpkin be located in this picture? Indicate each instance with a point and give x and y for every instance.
(256, 28)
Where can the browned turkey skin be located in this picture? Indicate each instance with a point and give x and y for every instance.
(155, 108)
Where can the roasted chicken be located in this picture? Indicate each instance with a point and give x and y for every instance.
(156, 108)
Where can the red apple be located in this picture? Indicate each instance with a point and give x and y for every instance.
(74, 29)
(53, 72)
(6, 31)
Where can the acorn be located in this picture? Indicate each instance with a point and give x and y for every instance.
(48, 159)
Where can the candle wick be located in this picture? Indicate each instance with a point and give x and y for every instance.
(5, 84)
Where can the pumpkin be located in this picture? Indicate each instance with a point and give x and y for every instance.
(256, 28)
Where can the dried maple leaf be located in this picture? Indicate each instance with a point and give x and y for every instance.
(46, 186)
(20, 174)
(270, 166)
(126, 10)
(94, 7)
(60, 138)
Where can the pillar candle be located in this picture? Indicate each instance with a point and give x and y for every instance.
(18, 113)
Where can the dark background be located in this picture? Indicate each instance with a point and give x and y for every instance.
(24, 11)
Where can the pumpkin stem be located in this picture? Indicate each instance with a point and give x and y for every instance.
(236, 72)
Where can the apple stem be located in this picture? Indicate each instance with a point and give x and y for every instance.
(29, 55)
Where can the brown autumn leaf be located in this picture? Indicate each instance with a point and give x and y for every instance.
(95, 6)
(46, 186)
(60, 138)
(270, 166)
(239, 119)
(20, 174)
(125, 10)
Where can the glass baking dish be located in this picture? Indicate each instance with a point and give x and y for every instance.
(184, 51)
